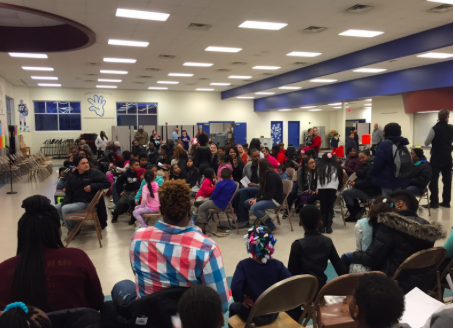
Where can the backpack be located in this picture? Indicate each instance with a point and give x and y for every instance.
(402, 161)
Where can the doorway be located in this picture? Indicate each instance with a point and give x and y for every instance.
(294, 133)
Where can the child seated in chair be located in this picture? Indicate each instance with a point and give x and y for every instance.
(150, 202)
(281, 170)
(63, 177)
(254, 275)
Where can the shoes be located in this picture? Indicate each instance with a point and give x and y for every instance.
(350, 219)
(114, 219)
(243, 224)
(328, 230)
(131, 222)
(446, 205)
(321, 229)
(111, 207)
(285, 216)
(431, 206)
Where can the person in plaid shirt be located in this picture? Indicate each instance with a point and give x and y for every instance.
(173, 253)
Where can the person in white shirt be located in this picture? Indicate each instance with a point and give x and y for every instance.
(101, 143)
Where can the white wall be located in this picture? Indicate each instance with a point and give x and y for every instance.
(6, 89)
(361, 113)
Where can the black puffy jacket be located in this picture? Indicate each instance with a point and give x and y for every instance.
(420, 176)
(397, 236)
(363, 181)
(202, 155)
(75, 193)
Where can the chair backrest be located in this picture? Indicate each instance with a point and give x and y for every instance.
(229, 206)
(290, 171)
(92, 206)
(287, 187)
(426, 258)
(285, 295)
(447, 270)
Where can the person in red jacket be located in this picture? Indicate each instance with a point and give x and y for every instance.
(316, 142)
(270, 158)
(279, 154)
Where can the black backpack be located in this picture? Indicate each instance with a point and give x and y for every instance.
(402, 160)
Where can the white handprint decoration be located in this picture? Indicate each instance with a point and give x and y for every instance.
(97, 105)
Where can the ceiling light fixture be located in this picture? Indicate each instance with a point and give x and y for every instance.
(368, 99)
(369, 70)
(139, 14)
(107, 86)
(203, 89)
(108, 80)
(262, 25)
(128, 43)
(315, 110)
(265, 93)
(167, 82)
(120, 60)
(44, 77)
(49, 85)
(26, 55)
(335, 104)
(239, 77)
(284, 110)
(337, 107)
(220, 83)
(198, 64)
(104, 71)
(267, 67)
(449, 2)
(31, 68)
(303, 54)
(436, 55)
(289, 88)
(427, 112)
(323, 80)
(180, 74)
(245, 97)
(222, 49)
(307, 107)
(361, 33)
(158, 88)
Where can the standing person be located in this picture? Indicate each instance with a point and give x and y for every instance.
(236, 162)
(256, 144)
(334, 142)
(309, 137)
(185, 140)
(101, 143)
(141, 136)
(420, 174)
(203, 154)
(441, 140)
(356, 136)
(376, 138)
(199, 131)
(350, 143)
(315, 142)
(330, 180)
(175, 135)
(156, 139)
(150, 202)
(383, 165)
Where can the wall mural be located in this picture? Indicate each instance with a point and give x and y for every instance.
(97, 105)
(276, 130)
(23, 113)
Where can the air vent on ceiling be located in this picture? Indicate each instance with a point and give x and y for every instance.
(441, 9)
(359, 9)
(138, 82)
(314, 29)
(204, 78)
(145, 76)
(238, 63)
(300, 63)
(91, 74)
(152, 69)
(92, 64)
(223, 70)
(89, 80)
(199, 27)
(166, 56)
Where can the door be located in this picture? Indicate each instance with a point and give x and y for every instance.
(240, 133)
(276, 131)
(294, 133)
(205, 127)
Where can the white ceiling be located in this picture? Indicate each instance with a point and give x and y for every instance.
(260, 47)
(20, 19)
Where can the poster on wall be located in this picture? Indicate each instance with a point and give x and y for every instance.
(23, 113)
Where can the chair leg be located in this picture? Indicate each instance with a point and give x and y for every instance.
(428, 202)
(342, 212)
(289, 218)
(235, 222)
(98, 229)
(74, 232)
(439, 294)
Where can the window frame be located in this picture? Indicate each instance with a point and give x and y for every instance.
(57, 113)
(137, 111)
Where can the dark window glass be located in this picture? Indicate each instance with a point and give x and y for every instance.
(64, 108)
(51, 107)
(132, 108)
(46, 122)
(147, 119)
(142, 108)
(126, 119)
(121, 108)
(40, 107)
(152, 109)
(70, 122)
(75, 107)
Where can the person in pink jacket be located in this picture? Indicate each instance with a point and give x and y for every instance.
(150, 202)
(270, 158)
(223, 164)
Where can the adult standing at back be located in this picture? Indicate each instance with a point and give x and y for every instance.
(141, 136)
(441, 140)
(175, 135)
(316, 142)
(383, 171)
(101, 143)
(376, 138)
(203, 154)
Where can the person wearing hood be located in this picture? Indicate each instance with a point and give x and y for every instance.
(352, 161)
(279, 154)
(421, 173)
(383, 166)
(398, 235)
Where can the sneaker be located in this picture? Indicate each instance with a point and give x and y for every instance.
(420, 209)
(431, 206)
(269, 223)
(131, 222)
(114, 219)
(111, 207)
(328, 230)
(446, 205)
(243, 224)
(350, 219)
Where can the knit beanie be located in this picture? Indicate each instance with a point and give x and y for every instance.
(77, 159)
(419, 152)
(392, 129)
(291, 149)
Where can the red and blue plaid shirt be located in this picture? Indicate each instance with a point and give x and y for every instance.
(165, 255)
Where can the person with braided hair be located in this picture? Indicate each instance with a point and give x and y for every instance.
(19, 315)
(44, 273)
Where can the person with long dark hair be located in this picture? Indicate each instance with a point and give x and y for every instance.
(192, 172)
(202, 155)
(19, 315)
(255, 143)
(270, 194)
(330, 180)
(236, 163)
(45, 273)
(165, 159)
(199, 180)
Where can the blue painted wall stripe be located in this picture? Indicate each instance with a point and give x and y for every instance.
(432, 76)
(424, 41)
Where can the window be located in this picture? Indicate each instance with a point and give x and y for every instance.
(137, 114)
(57, 116)
(9, 111)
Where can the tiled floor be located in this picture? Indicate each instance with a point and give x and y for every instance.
(112, 261)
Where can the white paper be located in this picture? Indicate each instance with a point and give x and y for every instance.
(245, 181)
(419, 307)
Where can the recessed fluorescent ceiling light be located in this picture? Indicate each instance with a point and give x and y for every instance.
(265, 93)
(220, 83)
(26, 55)
(303, 54)
(323, 80)
(107, 86)
(337, 107)
(369, 70)
(335, 104)
(437, 55)
(198, 64)
(203, 89)
(239, 77)
(108, 80)
(139, 14)
(49, 85)
(290, 88)
(120, 60)
(222, 49)
(44, 77)
(430, 111)
(104, 71)
(245, 97)
(179, 74)
(368, 99)
(361, 33)
(267, 67)
(30, 68)
(128, 43)
(315, 110)
(284, 110)
(306, 107)
(263, 25)
(167, 82)
(157, 88)
(449, 2)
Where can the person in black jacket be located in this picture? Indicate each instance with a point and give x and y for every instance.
(81, 187)
(127, 186)
(398, 235)
(362, 187)
(203, 155)
(270, 194)
(350, 143)
(421, 173)
(152, 153)
(192, 173)
(236, 162)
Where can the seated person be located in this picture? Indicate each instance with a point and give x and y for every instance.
(192, 173)
(175, 242)
(143, 161)
(63, 177)
(223, 163)
(207, 186)
(82, 185)
(279, 154)
(165, 158)
(377, 302)
(350, 143)
(352, 161)
(150, 202)
(176, 173)
(44, 272)
(362, 187)
(152, 153)
(136, 147)
(282, 172)
(270, 158)
(236, 162)
(254, 275)
(126, 185)
(420, 174)
(220, 198)
(18, 315)
(397, 236)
